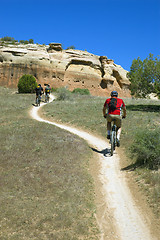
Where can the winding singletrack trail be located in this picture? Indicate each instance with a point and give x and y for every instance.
(127, 219)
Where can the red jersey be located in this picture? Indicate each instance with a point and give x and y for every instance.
(119, 106)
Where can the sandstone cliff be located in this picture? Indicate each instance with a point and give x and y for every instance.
(71, 68)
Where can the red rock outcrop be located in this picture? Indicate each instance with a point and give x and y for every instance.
(72, 68)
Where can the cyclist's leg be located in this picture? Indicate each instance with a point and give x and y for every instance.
(119, 133)
(36, 98)
(118, 124)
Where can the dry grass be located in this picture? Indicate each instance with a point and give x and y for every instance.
(46, 191)
(86, 112)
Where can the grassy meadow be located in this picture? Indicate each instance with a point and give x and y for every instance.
(46, 191)
(143, 115)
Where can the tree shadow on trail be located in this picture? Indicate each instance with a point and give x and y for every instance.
(144, 108)
(105, 152)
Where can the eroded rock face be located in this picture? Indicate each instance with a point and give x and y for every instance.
(72, 68)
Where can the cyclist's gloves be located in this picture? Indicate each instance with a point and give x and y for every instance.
(105, 116)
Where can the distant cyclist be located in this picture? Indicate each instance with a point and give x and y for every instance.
(114, 105)
(39, 91)
(47, 92)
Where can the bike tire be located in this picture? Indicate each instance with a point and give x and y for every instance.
(112, 143)
(48, 98)
(39, 100)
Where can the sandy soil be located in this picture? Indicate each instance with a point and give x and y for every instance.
(118, 215)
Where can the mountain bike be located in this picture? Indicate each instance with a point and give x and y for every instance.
(113, 136)
(38, 100)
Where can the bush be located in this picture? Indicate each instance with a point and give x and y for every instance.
(26, 42)
(71, 47)
(54, 89)
(146, 148)
(27, 84)
(81, 91)
(7, 39)
(21, 41)
(63, 94)
(31, 41)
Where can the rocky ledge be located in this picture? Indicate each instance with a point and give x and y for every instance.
(71, 68)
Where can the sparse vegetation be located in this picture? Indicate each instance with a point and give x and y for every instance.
(63, 94)
(27, 84)
(54, 89)
(146, 148)
(71, 47)
(11, 40)
(46, 191)
(86, 112)
(82, 91)
(31, 41)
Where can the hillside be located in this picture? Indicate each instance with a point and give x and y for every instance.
(70, 68)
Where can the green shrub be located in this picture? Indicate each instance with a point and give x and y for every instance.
(31, 41)
(63, 94)
(146, 148)
(54, 89)
(7, 39)
(27, 84)
(71, 47)
(21, 41)
(81, 91)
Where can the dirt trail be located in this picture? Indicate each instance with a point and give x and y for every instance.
(126, 218)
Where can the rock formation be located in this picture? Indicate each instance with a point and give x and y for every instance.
(72, 68)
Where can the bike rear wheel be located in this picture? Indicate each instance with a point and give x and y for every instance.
(38, 100)
(47, 98)
(113, 140)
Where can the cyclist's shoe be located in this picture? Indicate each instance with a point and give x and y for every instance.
(108, 136)
(118, 143)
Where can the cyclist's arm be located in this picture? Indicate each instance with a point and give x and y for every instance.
(104, 110)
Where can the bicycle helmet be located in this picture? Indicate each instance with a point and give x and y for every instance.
(39, 84)
(114, 94)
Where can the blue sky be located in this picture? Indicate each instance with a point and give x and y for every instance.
(122, 30)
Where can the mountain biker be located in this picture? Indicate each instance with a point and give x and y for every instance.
(47, 91)
(114, 105)
(39, 91)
